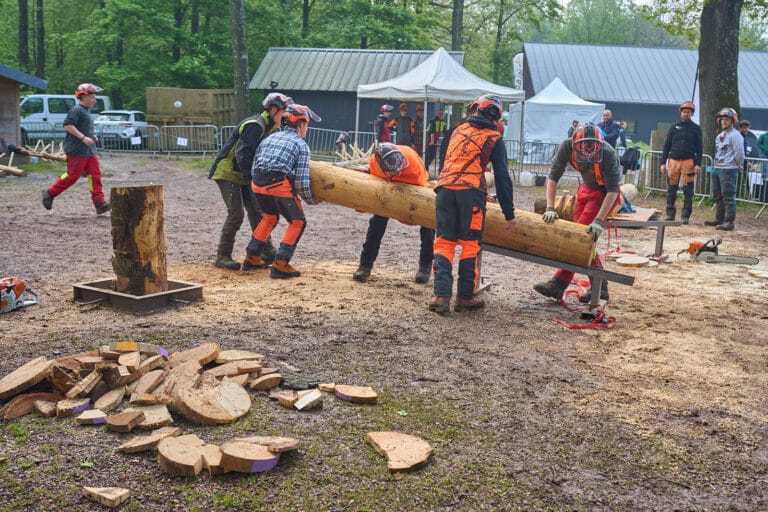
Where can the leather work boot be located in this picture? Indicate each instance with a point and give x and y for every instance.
(712, 222)
(440, 305)
(725, 226)
(253, 263)
(282, 270)
(462, 304)
(585, 297)
(685, 221)
(554, 288)
(422, 276)
(47, 199)
(102, 207)
(362, 274)
(269, 253)
(226, 262)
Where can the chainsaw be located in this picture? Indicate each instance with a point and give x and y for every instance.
(708, 253)
(14, 294)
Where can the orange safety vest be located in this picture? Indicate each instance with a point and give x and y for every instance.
(415, 173)
(468, 155)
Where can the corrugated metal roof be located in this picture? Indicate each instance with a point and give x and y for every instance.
(335, 70)
(22, 78)
(634, 74)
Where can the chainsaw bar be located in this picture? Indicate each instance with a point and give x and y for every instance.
(713, 257)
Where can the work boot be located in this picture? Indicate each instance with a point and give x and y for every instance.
(362, 274)
(471, 304)
(269, 253)
(282, 270)
(712, 222)
(441, 305)
(554, 288)
(254, 263)
(47, 199)
(725, 226)
(685, 221)
(670, 214)
(586, 297)
(422, 276)
(102, 207)
(226, 262)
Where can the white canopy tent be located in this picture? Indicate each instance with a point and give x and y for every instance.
(438, 79)
(548, 115)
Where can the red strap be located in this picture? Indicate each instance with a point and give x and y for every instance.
(600, 321)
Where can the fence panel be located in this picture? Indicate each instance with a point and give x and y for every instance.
(189, 139)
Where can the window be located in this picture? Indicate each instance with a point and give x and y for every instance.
(32, 106)
(60, 105)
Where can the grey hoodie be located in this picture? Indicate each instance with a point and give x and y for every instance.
(729, 149)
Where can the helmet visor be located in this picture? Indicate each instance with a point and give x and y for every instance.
(588, 150)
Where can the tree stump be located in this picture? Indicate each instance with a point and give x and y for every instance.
(138, 240)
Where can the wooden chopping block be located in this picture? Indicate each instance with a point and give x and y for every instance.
(356, 394)
(108, 496)
(404, 452)
(138, 444)
(562, 241)
(24, 377)
(181, 455)
(245, 457)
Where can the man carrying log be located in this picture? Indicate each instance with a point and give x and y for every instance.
(403, 164)
(280, 176)
(598, 164)
(461, 203)
(80, 147)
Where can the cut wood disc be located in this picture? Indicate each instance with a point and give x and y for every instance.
(633, 261)
(223, 404)
(247, 457)
(404, 452)
(203, 354)
(25, 404)
(110, 400)
(275, 444)
(125, 421)
(71, 406)
(356, 394)
(231, 356)
(108, 496)
(149, 381)
(92, 417)
(143, 443)
(265, 382)
(155, 416)
(24, 377)
(181, 455)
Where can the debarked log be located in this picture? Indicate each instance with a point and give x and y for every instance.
(562, 241)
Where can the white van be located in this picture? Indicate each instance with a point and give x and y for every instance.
(42, 115)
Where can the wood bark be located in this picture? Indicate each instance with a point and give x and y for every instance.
(562, 241)
(138, 240)
(239, 57)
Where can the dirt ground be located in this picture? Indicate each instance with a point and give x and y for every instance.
(666, 411)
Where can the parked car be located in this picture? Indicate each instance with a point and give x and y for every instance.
(42, 115)
(122, 129)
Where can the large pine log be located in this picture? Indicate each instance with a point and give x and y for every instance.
(138, 240)
(562, 241)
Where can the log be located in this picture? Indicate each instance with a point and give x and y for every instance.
(59, 157)
(24, 377)
(108, 496)
(403, 452)
(13, 170)
(138, 240)
(562, 241)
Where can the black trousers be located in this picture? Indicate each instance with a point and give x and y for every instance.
(377, 226)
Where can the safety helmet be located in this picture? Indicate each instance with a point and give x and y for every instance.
(729, 113)
(386, 108)
(295, 113)
(688, 105)
(391, 160)
(276, 99)
(488, 105)
(84, 89)
(587, 144)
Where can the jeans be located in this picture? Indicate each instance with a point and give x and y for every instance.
(724, 193)
(236, 198)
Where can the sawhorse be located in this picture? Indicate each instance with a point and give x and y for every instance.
(658, 252)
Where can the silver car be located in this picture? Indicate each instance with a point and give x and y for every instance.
(122, 129)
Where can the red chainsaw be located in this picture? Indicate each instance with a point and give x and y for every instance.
(708, 253)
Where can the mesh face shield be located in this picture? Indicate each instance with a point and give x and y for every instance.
(391, 160)
(588, 150)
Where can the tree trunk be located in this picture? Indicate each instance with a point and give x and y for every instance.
(24, 35)
(718, 64)
(239, 57)
(562, 241)
(40, 37)
(138, 240)
(457, 26)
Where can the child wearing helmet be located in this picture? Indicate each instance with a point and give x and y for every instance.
(280, 179)
(461, 203)
(402, 164)
(681, 160)
(231, 170)
(382, 125)
(80, 147)
(598, 194)
(729, 158)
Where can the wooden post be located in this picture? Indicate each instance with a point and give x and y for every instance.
(138, 240)
(562, 241)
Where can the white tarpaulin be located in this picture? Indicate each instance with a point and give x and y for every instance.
(549, 114)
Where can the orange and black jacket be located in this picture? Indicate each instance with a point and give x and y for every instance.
(415, 173)
(472, 146)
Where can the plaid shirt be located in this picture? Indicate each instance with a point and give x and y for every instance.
(286, 152)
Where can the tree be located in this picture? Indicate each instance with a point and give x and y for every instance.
(239, 57)
(24, 35)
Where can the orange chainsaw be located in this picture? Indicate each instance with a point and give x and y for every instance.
(708, 253)
(15, 294)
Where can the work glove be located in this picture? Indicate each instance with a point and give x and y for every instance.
(550, 216)
(595, 229)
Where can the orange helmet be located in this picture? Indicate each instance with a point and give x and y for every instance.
(276, 99)
(729, 113)
(587, 143)
(391, 160)
(488, 105)
(688, 105)
(295, 113)
(84, 89)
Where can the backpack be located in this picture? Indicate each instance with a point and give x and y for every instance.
(630, 160)
(14, 294)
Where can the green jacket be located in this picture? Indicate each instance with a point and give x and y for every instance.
(234, 161)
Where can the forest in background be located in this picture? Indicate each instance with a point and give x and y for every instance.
(126, 46)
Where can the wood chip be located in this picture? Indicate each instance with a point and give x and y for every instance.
(138, 444)
(109, 496)
(404, 452)
(356, 394)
